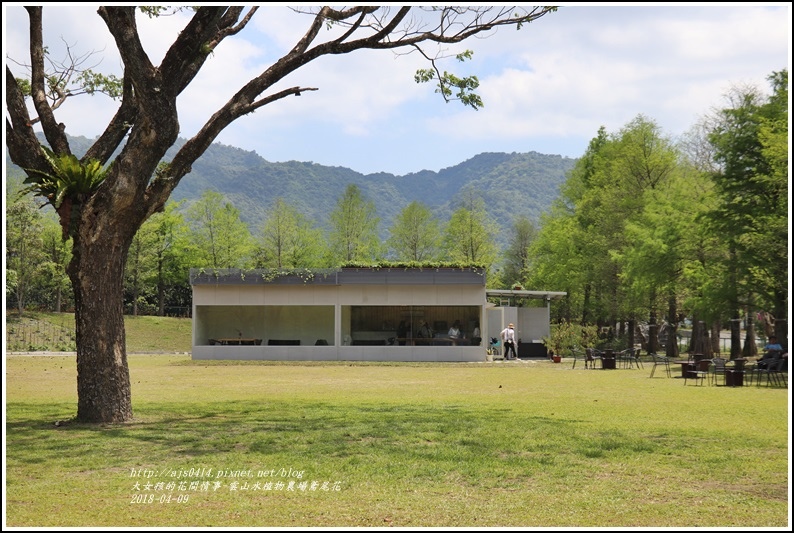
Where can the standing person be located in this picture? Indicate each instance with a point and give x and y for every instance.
(509, 341)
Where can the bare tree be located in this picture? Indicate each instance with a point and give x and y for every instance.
(102, 217)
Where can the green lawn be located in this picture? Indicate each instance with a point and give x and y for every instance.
(38, 331)
(408, 445)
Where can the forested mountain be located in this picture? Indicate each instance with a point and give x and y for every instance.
(510, 184)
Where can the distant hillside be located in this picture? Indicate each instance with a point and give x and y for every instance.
(510, 184)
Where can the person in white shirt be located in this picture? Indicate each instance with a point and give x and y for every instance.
(454, 331)
(509, 341)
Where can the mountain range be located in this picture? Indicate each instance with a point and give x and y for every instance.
(510, 184)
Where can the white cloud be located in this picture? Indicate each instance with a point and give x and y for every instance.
(596, 67)
(555, 81)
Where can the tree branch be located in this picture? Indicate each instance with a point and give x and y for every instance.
(23, 145)
(53, 131)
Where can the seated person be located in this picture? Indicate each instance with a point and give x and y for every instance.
(454, 331)
(773, 344)
(772, 350)
(476, 336)
(424, 331)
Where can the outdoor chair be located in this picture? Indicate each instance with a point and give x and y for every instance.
(700, 372)
(660, 360)
(591, 355)
(717, 369)
(762, 368)
(578, 354)
(629, 358)
(778, 371)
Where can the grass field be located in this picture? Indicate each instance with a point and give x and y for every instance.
(42, 332)
(529, 444)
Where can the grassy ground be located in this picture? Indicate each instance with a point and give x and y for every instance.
(54, 332)
(409, 445)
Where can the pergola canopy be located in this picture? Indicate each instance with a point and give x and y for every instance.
(515, 293)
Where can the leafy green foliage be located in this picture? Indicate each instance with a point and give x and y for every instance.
(223, 239)
(288, 239)
(95, 82)
(251, 184)
(415, 234)
(354, 228)
(69, 179)
(565, 336)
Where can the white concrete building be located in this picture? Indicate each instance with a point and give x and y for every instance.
(353, 314)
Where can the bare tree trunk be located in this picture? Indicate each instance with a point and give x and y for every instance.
(586, 304)
(716, 338)
(736, 335)
(781, 318)
(700, 338)
(160, 288)
(97, 274)
(671, 347)
(750, 348)
(135, 299)
(630, 331)
(653, 332)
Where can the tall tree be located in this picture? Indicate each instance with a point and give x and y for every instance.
(57, 252)
(516, 264)
(140, 266)
(470, 234)
(288, 239)
(222, 238)
(103, 218)
(750, 139)
(354, 229)
(174, 251)
(23, 247)
(415, 234)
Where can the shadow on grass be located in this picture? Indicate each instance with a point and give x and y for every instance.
(448, 437)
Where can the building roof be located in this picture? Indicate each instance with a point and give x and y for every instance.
(341, 276)
(515, 293)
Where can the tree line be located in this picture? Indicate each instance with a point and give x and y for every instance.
(651, 229)
(211, 233)
(646, 229)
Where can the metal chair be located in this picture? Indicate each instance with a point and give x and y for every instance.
(660, 360)
(577, 354)
(630, 358)
(623, 358)
(778, 371)
(717, 368)
(700, 372)
(591, 355)
(763, 366)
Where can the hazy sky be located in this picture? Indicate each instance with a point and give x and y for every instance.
(547, 88)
